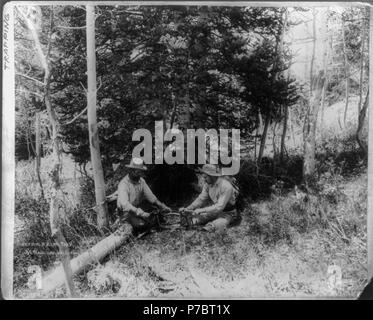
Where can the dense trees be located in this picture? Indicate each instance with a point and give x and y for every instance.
(193, 67)
(339, 72)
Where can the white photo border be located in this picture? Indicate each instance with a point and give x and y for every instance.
(8, 116)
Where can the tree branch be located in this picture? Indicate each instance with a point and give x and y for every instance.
(137, 13)
(71, 121)
(85, 90)
(302, 39)
(30, 92)
(71, 28)
(30, 78)
(100, 85)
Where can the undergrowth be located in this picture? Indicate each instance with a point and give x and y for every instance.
(278, 217)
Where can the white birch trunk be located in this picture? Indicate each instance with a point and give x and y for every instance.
(56, 207)
(98, 173)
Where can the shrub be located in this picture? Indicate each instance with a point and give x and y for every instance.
(339, 153)
(33, 244)
(87, 192)
(257, 181)
(338, 207)
(286, 215)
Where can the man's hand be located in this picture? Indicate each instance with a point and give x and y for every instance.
(165, 208)
(198, 211)
(142, 213)
(183, 210)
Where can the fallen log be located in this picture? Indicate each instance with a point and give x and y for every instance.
(55, 278)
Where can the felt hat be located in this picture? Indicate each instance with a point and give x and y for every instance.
(137, 163)
(211, 170)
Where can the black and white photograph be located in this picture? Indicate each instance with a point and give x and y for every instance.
(186, 150)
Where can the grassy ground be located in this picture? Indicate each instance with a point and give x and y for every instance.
(284, 247)
(289, 245)
(241, 262)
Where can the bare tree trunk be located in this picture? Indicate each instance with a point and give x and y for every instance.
(283, 137)
(309, 140)
(263, 138)
(291, 126)
(313, 49)
(359, 131)
(38, 151)
(30, 138)
(347, 73)
(255, 143)
(274, 141)
(256, 136)
(310, 131)
(284, 128)
(370, 159)
(323, 94)
(54, 279)
(98, 173)
(284, 25)
(56, 211)
(28, 144)
(173, 114)
(326, 62)
(361, 68)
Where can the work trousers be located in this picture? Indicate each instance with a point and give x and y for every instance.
(139, 224)
(216, 221)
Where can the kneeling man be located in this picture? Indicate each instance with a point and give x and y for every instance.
(132, 190)
(221, 193)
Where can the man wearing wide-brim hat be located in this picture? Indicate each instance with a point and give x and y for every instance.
(218, 190)
(132, 191)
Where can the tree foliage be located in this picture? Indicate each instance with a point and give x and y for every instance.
(194, 67)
